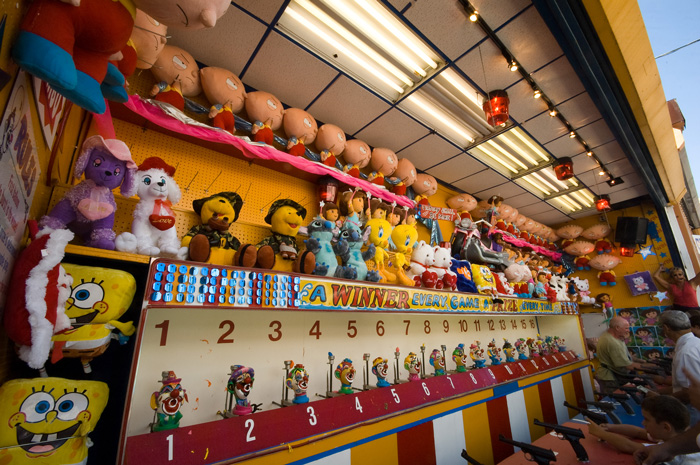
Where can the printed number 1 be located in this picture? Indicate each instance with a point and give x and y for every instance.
(169, 438)
(163, 331)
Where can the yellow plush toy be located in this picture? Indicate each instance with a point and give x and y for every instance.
(380, 230)
(47, 420)
(403, 236)
(99, 297)
(210, 241)
(279, 251)
(483, 278)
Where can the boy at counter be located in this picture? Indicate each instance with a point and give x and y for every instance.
(664, 418)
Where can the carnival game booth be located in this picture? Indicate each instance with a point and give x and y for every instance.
(301, 267)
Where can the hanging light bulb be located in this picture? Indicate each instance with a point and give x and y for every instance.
(589, 153)
(572, 134)
(474, 16)
(513, 65)
(603, 203)
(564, 168)
(552, 112)
(496, 107)
(537, 93)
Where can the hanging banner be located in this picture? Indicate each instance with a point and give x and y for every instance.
(19, 175)
(49, 106)
(429, 212)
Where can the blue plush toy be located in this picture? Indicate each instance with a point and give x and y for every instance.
(319, 243)
(356, 258)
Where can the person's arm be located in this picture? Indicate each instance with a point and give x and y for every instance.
(618, 441)
(661, 280)
(695, 282)
(630, 431)
(684, 443)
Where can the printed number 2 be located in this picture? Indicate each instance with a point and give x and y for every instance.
(250, 424)
(169, 438)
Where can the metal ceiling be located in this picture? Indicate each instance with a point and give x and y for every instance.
(257, 41)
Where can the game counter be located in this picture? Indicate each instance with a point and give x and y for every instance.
(200, 319)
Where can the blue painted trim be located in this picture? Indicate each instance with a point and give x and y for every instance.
(322, 91)
(421, 421)
(270, 28)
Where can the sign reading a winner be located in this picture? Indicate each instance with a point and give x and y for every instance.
(321, 295)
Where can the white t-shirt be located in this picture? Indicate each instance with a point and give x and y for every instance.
(687, 356)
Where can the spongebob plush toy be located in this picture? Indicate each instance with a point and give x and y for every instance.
(47, 420)
(279, 251)
(99, 297)
(210, 241)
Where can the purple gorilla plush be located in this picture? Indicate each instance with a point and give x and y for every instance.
(88, 208)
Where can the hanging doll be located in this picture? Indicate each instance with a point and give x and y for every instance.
(357, 155)
(354, 208)
(384, 163)
(226, 94)
(301, 129)
(266, 113)
(330, 142)
(178, 76)
(406, 174)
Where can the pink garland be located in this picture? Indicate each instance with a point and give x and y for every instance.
(556, 256)
(155, 115)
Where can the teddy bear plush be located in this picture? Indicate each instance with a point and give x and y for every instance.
(210, 241)
(88, 208)
(153, 230)
(279, 251)
(69, 43)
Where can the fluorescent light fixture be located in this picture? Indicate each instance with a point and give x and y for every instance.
(437, 117)
(371, 75)
(550, 174)
(535, 185)
(580, 197)
(507, 139)
(517, 132)
(354, 40)
(545, 182)
(511, 157)
(495, 157)
(463, 87)
(397, 29)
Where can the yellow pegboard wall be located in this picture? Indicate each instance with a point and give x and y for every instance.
(208, 172)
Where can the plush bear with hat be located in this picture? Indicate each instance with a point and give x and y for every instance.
(153, 230)
(38, 290)
(210, 241)
(88, 208)
(279, 251)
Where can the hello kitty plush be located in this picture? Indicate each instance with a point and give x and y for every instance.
(153, 229)
(422, 259)
(584, 291)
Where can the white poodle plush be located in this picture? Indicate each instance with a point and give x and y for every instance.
(153, 230)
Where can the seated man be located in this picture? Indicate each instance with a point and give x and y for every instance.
(665, 417)
(613, 355)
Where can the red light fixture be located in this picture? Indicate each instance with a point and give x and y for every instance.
(496, 107)
(327, 188)
(564, 168)
(627, 250)
(603, 204)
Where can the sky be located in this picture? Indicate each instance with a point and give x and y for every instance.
(671, 24)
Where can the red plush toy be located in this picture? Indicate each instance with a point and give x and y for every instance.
(39, 288)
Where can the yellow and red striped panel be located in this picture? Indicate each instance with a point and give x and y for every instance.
(437, 434)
